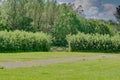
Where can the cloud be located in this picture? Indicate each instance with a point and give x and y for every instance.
(109, 6)
(63, 1)
(87, 3)
(89, 6)
(97, 9)
(106, 15)
(108, 11)
(100, 9)
(93, 11)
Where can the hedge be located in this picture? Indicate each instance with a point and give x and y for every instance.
(94, 42)
(15, 41)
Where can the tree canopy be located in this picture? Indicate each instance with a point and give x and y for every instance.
(117, 14)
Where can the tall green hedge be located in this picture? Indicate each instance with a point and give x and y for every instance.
(24, 41)
(94, 42)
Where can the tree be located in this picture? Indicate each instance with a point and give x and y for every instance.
(66, 23)
(35, 10)
(49, 15)
(78, 9)
(117, 14)
(14, 14)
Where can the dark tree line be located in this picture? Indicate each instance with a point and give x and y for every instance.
(117, 14)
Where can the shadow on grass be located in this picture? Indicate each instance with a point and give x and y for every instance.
(96, 51)
(64, 49)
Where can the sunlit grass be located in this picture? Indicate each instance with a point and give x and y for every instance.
(104, 69)
(40, 55)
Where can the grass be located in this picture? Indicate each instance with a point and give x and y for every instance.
(105, 69)
(5, 57)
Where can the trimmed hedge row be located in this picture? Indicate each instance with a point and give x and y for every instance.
(15, 41)
(94, 42)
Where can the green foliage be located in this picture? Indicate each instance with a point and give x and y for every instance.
(29, 15)
(24, 41)
(13, 12)
(49, 17)
(2, 27)
(95, 26)
(66, 23)
(94, 42)
(25, 25)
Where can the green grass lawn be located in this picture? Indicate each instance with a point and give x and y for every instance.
(39, 55)
(105, 69)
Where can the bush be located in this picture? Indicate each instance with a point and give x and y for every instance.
(24, 41)
(94, 42)
(92, 26)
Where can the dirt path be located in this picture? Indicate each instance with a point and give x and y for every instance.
(50, 61)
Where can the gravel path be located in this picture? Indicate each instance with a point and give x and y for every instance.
(49, 61)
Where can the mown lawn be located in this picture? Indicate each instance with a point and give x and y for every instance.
(105, 69)
(4, 57)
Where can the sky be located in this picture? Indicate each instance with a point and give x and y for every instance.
(99, 9)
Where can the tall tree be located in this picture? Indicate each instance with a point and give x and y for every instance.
(66, 23)
(50, 14)
(117, 14)
(35, 10)
(14, 14)
(78, 9)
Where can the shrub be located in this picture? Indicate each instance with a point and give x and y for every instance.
(93, 26)
(24, 41)
(94, 42)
